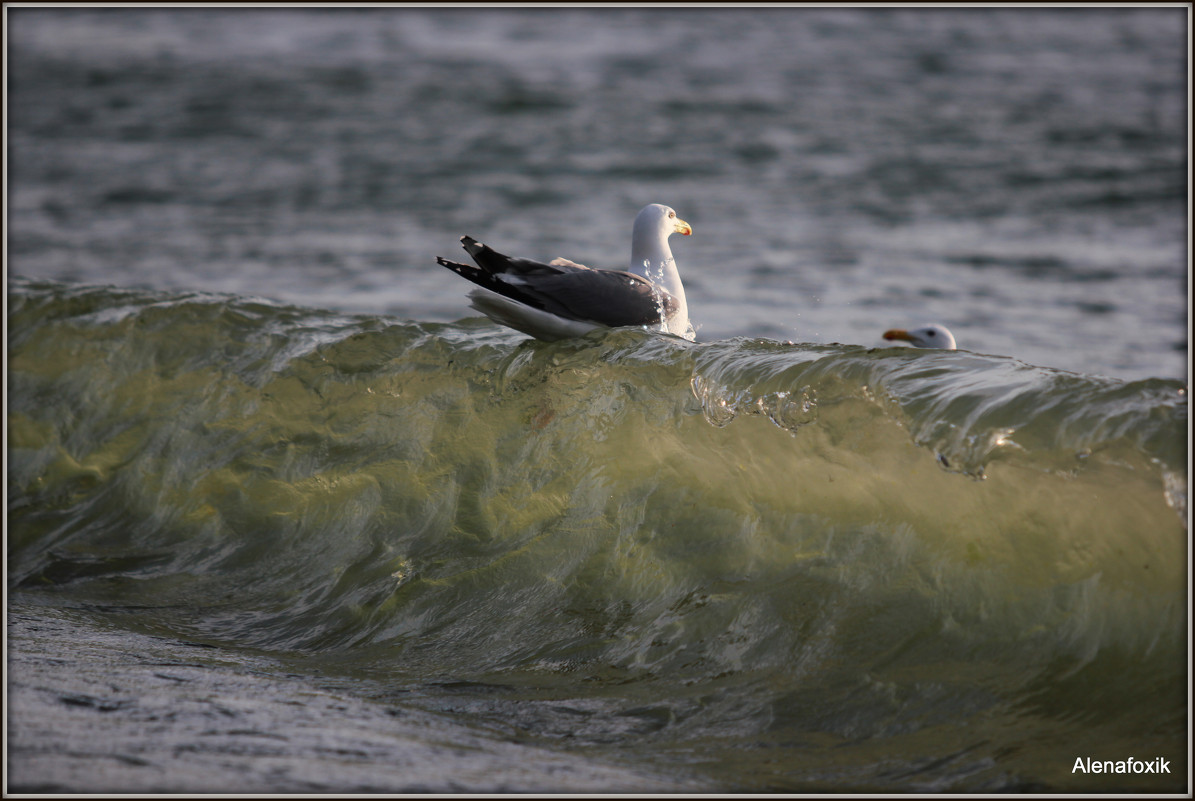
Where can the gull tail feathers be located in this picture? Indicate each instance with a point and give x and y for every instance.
(474, 274)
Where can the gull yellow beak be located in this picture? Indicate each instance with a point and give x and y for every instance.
(681, 227)
(898, 333)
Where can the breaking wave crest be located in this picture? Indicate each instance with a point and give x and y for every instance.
(821, 544)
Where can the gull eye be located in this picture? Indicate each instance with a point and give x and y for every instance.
(671, 214)
(930, 333)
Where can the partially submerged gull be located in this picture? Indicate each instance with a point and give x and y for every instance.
(929, 336)
(563, 299)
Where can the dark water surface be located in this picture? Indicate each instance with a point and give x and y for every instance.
(283, 517)
(1019, 175)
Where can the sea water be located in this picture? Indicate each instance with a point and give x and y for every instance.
(283, 516)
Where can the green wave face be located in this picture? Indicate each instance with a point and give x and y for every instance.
(708, 551)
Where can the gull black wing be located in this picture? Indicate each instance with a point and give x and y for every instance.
(608, 297)
(575, 292)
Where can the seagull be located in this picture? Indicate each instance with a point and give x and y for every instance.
(563, 299)
(930, 336)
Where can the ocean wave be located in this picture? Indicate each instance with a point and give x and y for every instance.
(420, 500)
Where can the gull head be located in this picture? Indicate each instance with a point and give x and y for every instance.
(930, 336)
(658, 222)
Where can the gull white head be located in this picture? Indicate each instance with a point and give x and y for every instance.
(930, 336)
(652, 258)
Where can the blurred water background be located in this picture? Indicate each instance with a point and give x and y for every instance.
(250, 418)
(1019, 175)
